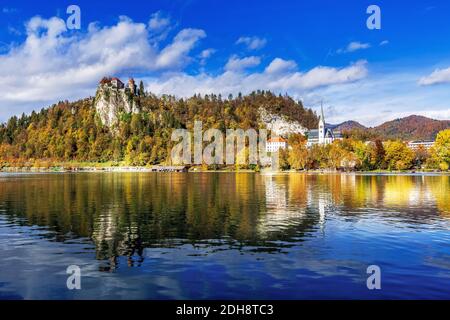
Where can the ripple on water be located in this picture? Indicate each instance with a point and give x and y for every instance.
(225, 235)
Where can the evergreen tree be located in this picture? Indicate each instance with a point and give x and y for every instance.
(141, 89)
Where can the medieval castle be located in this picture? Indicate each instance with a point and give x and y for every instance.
(115, 83)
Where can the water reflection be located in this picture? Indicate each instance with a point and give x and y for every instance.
(224, 235)
(125, 213)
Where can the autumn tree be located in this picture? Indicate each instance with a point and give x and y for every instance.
(441, 149)
(421, 156)
(335, 155)
(283, 159)
(298, 152)
(398, 156)
(378, 155)
(362, 152)
(317, 156)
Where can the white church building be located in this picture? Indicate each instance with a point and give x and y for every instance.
(324, 134)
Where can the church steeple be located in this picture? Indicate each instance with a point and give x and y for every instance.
(324, 134)
(321, 125)
(322, 117)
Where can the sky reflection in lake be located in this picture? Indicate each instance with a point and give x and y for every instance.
(224, 235)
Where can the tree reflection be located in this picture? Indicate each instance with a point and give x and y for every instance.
(124, 213)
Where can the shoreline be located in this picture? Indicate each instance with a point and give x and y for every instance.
(181, 169)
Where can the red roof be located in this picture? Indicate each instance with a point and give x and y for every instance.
(114, 78)
(276, 139)
(108, 80)
(105, 80)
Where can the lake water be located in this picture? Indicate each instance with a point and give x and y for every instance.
(224, 236)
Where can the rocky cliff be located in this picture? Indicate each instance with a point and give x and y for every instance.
(111, 102)
(280, 125)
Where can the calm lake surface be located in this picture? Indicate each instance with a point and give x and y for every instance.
(224, 236)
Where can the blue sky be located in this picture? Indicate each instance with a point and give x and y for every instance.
(312, 50)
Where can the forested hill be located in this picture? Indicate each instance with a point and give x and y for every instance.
(73, 130)
(350, 125)
(412, 127)
(409, 128)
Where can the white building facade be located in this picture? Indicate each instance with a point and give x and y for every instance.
(414, 145)
(274, 144)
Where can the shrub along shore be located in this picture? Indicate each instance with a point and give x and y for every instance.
(107, 167)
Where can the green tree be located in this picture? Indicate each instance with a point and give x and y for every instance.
(363, 155)
(141, 89)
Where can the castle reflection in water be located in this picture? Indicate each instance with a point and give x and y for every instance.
(124, 213)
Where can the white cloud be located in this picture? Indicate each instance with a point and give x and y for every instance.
(350, 91)
(175, 54)
(236, 80)
(323, 76)
(354, 46)
(236, 64)
(252, 43)
(52, 64)
(158, 22)
(159, 27)
(384, 42)
(205, 55)
(438, 76)
(279, 65)
(382, 97)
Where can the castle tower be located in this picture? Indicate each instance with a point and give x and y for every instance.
(132, 86)
(321, 126)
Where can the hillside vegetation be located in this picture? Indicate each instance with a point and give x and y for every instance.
(409, 128)
(72, 131)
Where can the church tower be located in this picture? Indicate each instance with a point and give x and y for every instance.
(321, 126)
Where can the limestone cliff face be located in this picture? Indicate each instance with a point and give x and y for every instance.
(280, 125)
(110, 102)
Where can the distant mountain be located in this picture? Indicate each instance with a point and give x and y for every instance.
(411, 128)
(349, 125)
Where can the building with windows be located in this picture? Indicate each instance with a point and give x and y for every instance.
(116, 83)
(414, 145)
(324, 134)
(274, 144)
